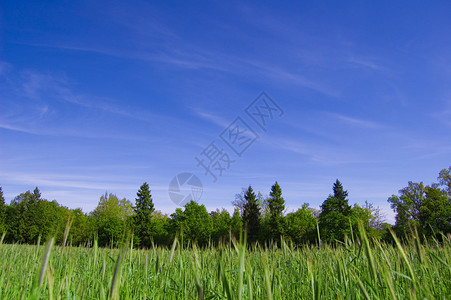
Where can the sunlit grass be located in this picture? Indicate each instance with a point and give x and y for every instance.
(360, 270)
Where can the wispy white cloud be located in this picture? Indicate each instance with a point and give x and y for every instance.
(285, 76)
(421, 147)
(443, 115)
(152, 40)
(18, 129)
(34, 101)
(320, 153)
(62, 180)
(355, 121)
(192, 58)
(221, 122)
(38, 86)
(364, 62)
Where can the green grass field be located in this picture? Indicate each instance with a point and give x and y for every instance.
(351, 271)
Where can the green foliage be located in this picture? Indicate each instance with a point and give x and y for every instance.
(334, 219)
(407, 206)
(22, 216)
(435, 212)
(194, 223)
(221, 222)
(301, 225)
(144, 209)
(52, 220)
(30, 218)
(236, 223)
(109, 205)
(2, 198)
(81, 230)
(110, 230)
(427, 207)
(110, 219)
(161, 229)
(251, 215)
(444, 179)
(265, 232)
(365, 217)
(276, 205)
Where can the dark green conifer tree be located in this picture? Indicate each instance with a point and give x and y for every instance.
(2, 211)
(334, 222)
(276, 205)
(144, 209)
(251, 216)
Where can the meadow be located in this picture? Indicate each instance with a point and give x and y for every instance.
(355, 269)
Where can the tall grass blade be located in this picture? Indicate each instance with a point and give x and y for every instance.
(242, 253)
(45, 261)
(3, 237)
(66, 231)
(173, 249)
(362, 288)
(116, 278)
(404, 256)
(368, 251)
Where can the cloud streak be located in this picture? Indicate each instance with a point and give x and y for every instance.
(73, 181)
(33, 102)
(356, 122)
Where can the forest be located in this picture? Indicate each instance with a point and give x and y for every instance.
(30, 219)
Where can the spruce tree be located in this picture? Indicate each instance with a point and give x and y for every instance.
(251, 216)
(276, 205)
(36, 194)
(334, 216)
(340, 194)
(143, 218)
(2, 199)
(2, 211)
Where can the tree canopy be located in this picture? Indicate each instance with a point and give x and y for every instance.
(30, 218)
(426, 207)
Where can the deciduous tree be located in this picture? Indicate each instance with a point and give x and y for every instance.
(435, 212)
(194, 223)
(111, 216)
(221, 225)
(81, 232)
(236, 223)
(407, 206)
(301, 225)
(160, 229)
(444, 179)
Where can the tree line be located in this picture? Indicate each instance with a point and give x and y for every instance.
(29, 218)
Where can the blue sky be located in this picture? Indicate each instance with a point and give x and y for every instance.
(101, 96)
